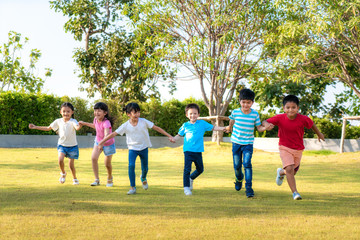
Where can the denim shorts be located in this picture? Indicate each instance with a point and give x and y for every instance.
(108, 150)
(70, 152)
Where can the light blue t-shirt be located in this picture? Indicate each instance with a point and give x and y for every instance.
(243, 130)
(194, 135)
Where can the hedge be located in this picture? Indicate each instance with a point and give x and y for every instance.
(17, 110)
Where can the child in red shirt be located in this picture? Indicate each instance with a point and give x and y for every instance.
(291, 143)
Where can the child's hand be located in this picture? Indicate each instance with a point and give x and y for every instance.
(172, 139)
(227, 129)
(81, 123)
(31, 126)
(321, 137)
(269, 126)
(100, 147)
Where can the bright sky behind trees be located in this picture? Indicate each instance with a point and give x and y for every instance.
(44, 28)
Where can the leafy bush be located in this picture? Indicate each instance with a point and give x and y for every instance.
(17, 110)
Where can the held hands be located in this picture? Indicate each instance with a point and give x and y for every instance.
(172, 139)
(32, 126)
(100, 147)
(81, 123)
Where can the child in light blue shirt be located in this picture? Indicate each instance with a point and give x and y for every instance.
(193, 132)
(242, 123)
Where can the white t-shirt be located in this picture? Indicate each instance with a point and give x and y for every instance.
(137, 137)
(66, 130)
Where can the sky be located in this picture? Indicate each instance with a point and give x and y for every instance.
(44, 27)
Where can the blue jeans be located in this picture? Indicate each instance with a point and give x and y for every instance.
(242, 155)
(191, 157)
(144, 164)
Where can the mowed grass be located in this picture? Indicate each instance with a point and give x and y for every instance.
(34, 205)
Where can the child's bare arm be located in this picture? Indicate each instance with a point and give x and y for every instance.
(82, 123)
(265, 126)
(318, 133)
(101, 143)
(163, 132)
(217, 128)
(231, 124)
(42, 128)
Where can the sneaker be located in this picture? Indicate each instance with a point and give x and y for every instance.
(131, 191)
(75, 182)
(279, 178)
(191, 184)
(296, 196)
(145, 184)
(95, 183)
(249, 193)
(62, 178)
(238, 184)
(187, 191)
(109, 183)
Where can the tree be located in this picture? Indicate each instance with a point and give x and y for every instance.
(116, 62)
(321, 41)
(219, 42)
(13, 74)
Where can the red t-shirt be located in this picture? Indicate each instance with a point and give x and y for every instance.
(291, 132)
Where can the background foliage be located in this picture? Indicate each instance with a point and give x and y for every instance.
(17, 110)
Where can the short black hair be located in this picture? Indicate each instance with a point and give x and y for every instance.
(131, 107)
(192, 106)
(291, 98)
(246, 94)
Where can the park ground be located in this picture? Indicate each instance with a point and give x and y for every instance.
(34, 205)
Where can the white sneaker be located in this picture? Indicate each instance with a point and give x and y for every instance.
(191, 184)
(187, 191)
(296, 196)
(131, 191)
(62, 178)
(95, 183)
(110, 183)
(279, 178)
(75, 182)
(145, 184)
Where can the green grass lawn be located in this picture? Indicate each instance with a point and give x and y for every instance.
(34, 205)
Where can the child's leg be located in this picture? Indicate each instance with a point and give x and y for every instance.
(94, 161)
(187, 169)
(144, 162)
(61, 157)
(237, 161)
(132, 158)
(199, 165)
(72, 167)
(290, 177)
(247, 153)
(108, 166)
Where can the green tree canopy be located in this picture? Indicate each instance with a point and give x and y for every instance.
(13, 74)
(118, 60)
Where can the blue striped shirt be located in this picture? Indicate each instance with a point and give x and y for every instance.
(243, 129)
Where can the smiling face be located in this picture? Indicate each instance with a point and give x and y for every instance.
(66, 113)
(99, 114)
(246, 105)
(134, 116)
(291, 109)
(192, 114)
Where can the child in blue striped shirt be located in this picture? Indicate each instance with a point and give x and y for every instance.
(242, 123)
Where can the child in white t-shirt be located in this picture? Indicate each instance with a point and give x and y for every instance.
(67, 144)
(138, 141)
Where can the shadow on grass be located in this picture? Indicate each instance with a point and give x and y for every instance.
(171, 201)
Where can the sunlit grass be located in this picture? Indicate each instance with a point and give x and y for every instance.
(35, 206)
